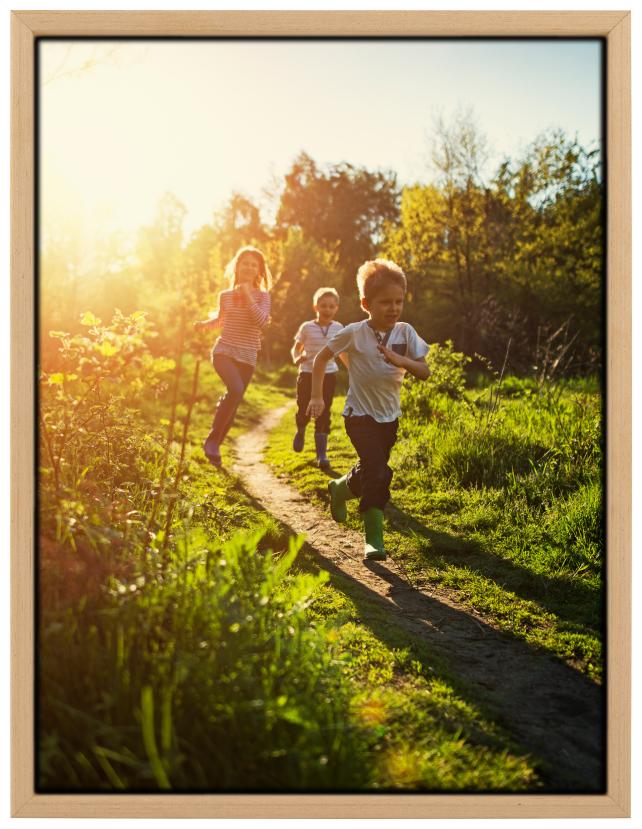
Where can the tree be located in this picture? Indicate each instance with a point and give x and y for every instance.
(459, 154)
(342, 207)
(508, 259)
(555, 266)
(159, 244)
(441, 240)
(238, 224)
(303, 266)
(418, 243)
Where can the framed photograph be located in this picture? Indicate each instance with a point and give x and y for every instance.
(321, 414)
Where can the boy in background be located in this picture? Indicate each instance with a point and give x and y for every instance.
(311, 337)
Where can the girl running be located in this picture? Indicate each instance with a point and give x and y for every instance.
(243, 311)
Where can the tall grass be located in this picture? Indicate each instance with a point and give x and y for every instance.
(497, 495)
(206, 676)
(173, 653)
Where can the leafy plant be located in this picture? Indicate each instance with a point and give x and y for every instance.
(98, 457)
(204, 676)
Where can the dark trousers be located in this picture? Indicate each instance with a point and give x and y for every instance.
(303, 390)
(370, 478)
(236, 376)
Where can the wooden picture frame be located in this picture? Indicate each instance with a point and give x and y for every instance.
(614, 27)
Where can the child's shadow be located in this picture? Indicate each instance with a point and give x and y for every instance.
(329, 471)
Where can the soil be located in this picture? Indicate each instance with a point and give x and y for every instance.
(548, 708)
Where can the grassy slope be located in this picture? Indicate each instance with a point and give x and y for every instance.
(522, 547)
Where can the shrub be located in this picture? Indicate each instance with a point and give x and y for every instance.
(447, 377)
(96, 453)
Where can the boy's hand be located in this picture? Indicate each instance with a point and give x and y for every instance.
(315, 407)
(199, 324)
(392, 357)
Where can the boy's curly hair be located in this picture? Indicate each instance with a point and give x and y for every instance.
(376, 274)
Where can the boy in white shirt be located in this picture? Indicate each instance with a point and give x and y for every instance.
(380, 350)
(311, 337)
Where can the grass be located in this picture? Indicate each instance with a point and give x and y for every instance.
(196, 659)
(498, 501)
(423, 730)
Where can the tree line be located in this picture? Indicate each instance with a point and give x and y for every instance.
(508, 266)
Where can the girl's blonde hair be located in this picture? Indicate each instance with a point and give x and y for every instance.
(265, 277)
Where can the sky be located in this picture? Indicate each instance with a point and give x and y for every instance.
(122, 122)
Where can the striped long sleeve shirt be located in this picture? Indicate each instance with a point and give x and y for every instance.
(241, 322)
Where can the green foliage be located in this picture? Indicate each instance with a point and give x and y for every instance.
(304, 265)
(447, 377)
(203, 676)
(343, 206)
(159, 244)
(96, 454)
(514, 258)
(497, 496)
(510, 257)
(237, 225)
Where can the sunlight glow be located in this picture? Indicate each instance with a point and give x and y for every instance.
(123, 122)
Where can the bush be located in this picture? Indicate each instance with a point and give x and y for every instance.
(447, 377)
(97, 455)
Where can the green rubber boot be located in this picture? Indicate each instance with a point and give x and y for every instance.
(339, 492)
(373, 525)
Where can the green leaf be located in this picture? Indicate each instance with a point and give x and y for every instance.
(283, 564)
(149, 736)
(56, 379)
(89, 319)
(108, 349)
(292, 715)
(163, 364)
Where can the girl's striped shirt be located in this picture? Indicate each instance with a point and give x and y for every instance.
(241, 322)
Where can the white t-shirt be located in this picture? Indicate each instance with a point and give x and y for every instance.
(375, 385)
(314, 337)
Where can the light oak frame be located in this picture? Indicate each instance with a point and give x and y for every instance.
(614, 26)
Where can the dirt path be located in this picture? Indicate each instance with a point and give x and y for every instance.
(548, 708)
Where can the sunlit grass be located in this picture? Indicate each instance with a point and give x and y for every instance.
(507, 513)
(196, 659)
